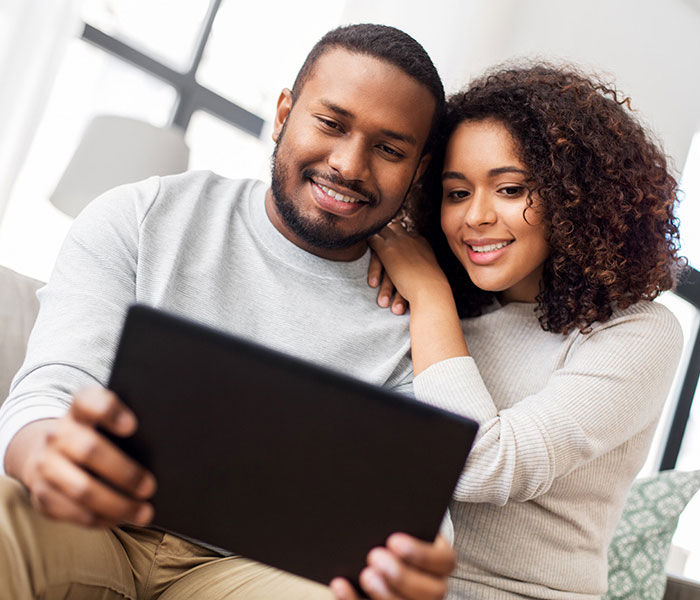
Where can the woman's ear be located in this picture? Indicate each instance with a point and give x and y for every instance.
(284, 105)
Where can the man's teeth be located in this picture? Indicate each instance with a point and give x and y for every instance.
(490, 247)
(338, 196)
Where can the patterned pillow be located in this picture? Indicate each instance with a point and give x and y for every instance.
(639, 549)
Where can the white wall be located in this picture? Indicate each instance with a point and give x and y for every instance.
(650, 48)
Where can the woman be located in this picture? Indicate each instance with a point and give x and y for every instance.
(553, 232)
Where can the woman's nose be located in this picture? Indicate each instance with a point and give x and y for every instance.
(479, 211)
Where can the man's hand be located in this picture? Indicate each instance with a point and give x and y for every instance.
(406, 568)
(76, 474)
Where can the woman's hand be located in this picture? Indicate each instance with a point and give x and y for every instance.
(375, 275)
(409, 263)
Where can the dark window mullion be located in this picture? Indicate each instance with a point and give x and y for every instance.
(191, 95)
(689, 290)
(187, 101)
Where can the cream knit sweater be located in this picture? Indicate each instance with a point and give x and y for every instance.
(566, 423)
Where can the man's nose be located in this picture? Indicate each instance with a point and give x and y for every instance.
(349, 159)
(479, 211)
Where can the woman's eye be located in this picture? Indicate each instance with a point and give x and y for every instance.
(458, 194)
(512, 190)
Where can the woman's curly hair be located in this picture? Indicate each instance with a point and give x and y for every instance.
(603, 188)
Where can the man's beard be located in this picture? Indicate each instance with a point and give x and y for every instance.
(323, 231)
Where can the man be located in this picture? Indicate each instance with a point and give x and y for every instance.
(286, 266)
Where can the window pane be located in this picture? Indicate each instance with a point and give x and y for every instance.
(166, 29)
(89, 82)
(689, 318)
(689, 211)
(687, 552)
(250, 65)
(220, 147)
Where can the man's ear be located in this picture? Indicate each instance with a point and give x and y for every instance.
(420, 171)
(284, 105)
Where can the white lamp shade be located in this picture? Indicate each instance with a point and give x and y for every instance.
(116, 150)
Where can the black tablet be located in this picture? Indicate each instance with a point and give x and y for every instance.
(277, 459)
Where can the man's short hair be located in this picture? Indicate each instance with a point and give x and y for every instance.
(384, 43)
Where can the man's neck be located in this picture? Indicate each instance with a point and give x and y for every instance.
(340, 254)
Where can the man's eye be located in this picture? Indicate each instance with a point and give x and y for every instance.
(391, 151)
(330, 124)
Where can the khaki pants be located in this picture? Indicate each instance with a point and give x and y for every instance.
(43, 558)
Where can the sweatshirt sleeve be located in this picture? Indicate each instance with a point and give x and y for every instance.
(81, 309)
(612, 386)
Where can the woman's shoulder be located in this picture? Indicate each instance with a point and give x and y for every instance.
(644, 324)
(645, 314)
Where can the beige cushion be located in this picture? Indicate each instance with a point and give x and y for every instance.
(18, 309)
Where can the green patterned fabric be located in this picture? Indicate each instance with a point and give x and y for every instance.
(639, 549)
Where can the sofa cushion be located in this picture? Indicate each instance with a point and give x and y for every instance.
(641, 543)
(18, 309)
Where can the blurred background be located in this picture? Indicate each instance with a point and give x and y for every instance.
(94, 90)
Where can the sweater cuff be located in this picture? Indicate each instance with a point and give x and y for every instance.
(12, 423)
(455, 384)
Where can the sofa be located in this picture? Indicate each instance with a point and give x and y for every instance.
(18, 310)
(681, 588)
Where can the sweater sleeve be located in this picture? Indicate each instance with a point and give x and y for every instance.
(612, 386)
(81, 310)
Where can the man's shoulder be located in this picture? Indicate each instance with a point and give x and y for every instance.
(201, 197)
(206, 184)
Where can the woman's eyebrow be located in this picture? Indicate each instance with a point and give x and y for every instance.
(453, 175)
(508, 169)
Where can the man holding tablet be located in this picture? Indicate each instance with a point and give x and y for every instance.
(285, 266)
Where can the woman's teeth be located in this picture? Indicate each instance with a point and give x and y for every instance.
(490, 247)
(338, 196)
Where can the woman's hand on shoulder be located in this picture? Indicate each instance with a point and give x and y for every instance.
(409, 266)
(378, 278)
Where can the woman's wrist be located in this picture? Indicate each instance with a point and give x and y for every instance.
(436, 331)
(433, 294)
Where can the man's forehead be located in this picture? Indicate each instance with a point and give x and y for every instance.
(353, 84)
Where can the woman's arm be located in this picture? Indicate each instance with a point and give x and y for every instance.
(610, 385)
(436, 333)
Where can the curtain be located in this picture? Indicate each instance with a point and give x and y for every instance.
(33, 38)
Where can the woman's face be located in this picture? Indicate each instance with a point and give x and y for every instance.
(484, 212)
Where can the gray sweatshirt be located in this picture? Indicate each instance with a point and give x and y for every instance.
(202, 246)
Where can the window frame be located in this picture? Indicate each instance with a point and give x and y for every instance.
(191, 96)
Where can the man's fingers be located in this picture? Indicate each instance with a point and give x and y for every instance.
(376, 586)
(84, 490)
(342, 589)
(53, 503)
(86, 447)
(99, 406)
(437, 558)
(406, 581)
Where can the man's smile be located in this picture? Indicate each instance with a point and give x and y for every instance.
(336, 202)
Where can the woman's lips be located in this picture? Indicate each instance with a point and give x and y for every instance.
(341, 205)
(487, 254)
